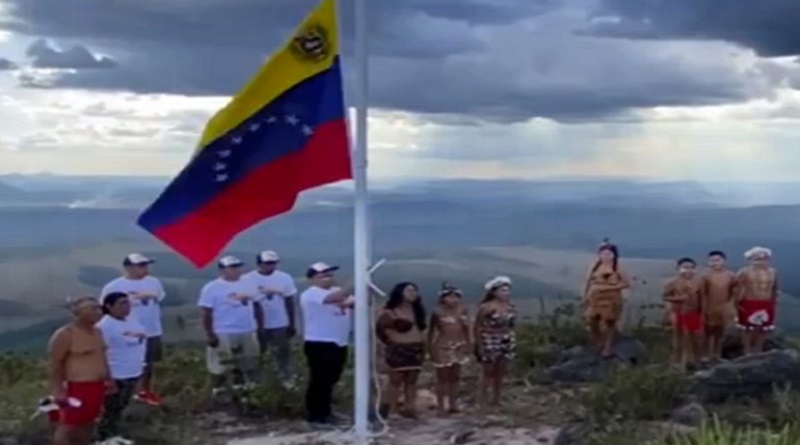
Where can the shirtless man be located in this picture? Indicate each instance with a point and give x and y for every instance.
(756, 299)
(685, 295)
(79, 376)
(720, 284)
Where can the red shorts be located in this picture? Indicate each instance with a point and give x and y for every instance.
(756, 315)
(92, 396)
(688, 322)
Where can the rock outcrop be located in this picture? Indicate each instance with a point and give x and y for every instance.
(753, 376)
(584, 365)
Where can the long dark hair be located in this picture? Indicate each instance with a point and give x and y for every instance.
(111, 299)
(396, 298)
(606, 245)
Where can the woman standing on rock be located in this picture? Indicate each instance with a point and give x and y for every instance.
(602, 297)
(400, 328)
(494, 337)
(448, 341)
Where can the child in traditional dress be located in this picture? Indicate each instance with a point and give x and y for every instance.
(400, 328)
(756, 299)
(684, 293)
(494, 337)
(449, 344)
(719, 286)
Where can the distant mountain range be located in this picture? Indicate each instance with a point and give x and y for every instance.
(73, 230)
(137, 192)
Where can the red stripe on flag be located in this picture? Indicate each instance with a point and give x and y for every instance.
(267, 191)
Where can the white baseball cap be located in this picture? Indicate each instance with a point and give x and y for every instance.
(136, 259)
(318, 268)
(268, 256)
(229, 261)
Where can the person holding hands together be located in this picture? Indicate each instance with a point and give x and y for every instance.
(231, 318)
(276, 293)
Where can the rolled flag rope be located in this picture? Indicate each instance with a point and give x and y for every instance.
(49, 406)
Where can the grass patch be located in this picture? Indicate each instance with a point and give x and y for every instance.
(635, 393)
(720, 433)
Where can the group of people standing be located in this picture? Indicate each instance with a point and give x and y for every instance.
(107, 355)
(699, 307)
(450, 337)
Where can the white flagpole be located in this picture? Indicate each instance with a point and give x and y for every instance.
(363, 350)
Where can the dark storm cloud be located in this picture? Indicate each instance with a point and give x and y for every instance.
(487, 59)
(7, 65)
(771, 27)
(252, 23)
(44, 55)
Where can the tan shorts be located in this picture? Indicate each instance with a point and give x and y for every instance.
(235, 350)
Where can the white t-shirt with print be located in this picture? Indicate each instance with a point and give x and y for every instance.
(274, 306)
(325, 322)
(147, 313)
(125, 346)
(232, 305)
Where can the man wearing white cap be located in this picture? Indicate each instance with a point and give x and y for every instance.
(231, 318)
(277, 290)
(146, 295)
(756, 299)
(327, 323)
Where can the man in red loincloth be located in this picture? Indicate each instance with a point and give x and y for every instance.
(756, 299)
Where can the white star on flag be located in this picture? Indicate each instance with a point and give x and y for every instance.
(219, 166)
(271, 119)
(308, 131)
(255, 127)
(222, 178)
(292, 119)
(236, 140)
(224, 153)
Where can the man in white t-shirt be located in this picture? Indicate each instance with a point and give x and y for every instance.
(327, 323)
(231, 318)
(277, 290)
(146, 295)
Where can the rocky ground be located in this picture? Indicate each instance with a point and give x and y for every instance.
(561, 393)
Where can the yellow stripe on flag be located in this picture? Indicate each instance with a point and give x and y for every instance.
(287, 67)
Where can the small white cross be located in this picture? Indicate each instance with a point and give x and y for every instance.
(308, 131)
(255, 127)
(236, 140)
(222, 178)
(224, 153)
(219, 166)
(292, 119)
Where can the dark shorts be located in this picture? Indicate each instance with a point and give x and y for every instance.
(154, 351)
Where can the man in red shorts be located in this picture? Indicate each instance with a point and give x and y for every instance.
(685, 295)
(756, 299)
(79, 377)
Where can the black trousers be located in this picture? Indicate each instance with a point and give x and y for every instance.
(114, 406)
(326, 362)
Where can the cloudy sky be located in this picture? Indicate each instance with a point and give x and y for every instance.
(661, 89)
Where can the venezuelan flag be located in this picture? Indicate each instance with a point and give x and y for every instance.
(284, 133)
